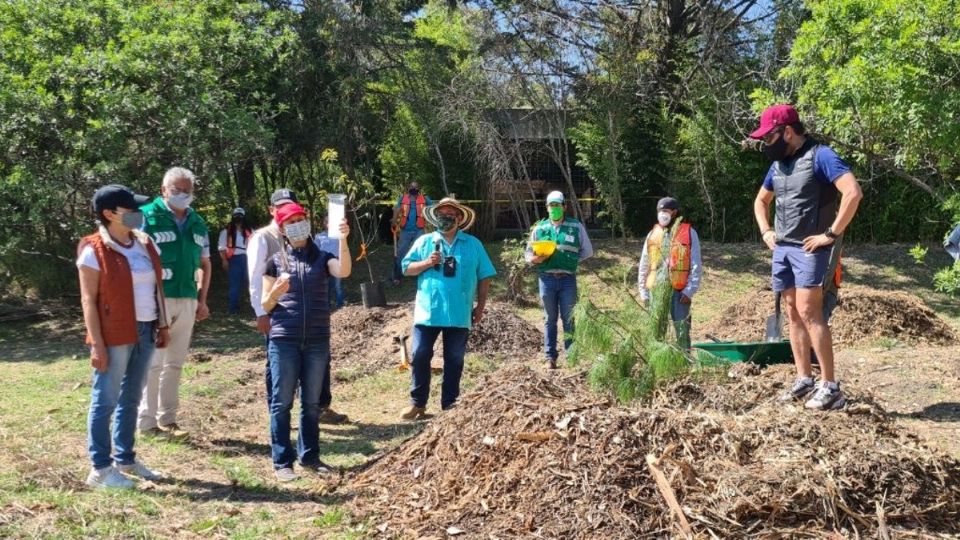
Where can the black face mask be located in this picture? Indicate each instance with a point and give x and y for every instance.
(776, 151)
(446, 223)
(414, 191)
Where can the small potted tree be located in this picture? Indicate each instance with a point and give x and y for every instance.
(365, 220)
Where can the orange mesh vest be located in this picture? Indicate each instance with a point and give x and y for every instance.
(679, 262)
(405, 210)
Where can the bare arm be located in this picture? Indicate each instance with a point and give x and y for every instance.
(343, 265)
(273, 289)
(419, 267)
(850, 197)
(89, 290)
(761, 211)
(483, 288)
(205, 270)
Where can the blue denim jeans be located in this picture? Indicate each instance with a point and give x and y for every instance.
(454, 349)
(326, 397)
(335, 292)
(405, 241)
(558, 294)
(680, 314)
(117, 392)
(295, 365)
(237, 277)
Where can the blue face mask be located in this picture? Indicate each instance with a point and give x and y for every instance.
(133, 220)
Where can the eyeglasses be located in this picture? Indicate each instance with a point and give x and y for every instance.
(770, 137)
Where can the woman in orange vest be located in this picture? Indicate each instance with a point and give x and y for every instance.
(233, 255)
(408, 223)
(677, 258)
(121, 291)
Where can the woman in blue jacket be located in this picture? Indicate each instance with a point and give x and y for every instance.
(299, 350)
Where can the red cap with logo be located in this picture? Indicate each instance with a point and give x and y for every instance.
(774, 117)
(287, 211)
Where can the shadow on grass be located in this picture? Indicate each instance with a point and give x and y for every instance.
(354, 438)
(198, 490)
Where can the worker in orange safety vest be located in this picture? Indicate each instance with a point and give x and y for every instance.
(408, 223)
(672, 252)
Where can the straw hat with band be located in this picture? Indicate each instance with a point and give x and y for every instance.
(469, 216)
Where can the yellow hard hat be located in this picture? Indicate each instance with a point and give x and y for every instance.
(543, 248)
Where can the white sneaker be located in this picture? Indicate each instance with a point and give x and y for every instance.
(827, 398)
(108, 477)
(139, 470)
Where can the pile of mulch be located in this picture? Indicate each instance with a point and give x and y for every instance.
(364, 341)
(536, 454)
(863, 316)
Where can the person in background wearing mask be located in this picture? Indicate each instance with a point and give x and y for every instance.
(296, 288)
(182, 237)
(558, 271)
(408, 223)
(124, 312)
(673, 255)
(233, 255)
(265, 242)
(805, 178)
(453, 270)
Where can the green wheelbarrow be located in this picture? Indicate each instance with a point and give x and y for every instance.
(763, 353)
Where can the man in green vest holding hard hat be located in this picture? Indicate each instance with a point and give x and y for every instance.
(182, 237)
(557, 245)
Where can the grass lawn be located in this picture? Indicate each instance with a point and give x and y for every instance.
(221, 483)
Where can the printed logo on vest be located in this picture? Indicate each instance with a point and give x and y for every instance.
(199, 239)
(162, 237)
(166, 274)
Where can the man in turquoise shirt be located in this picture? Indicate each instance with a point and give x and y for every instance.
(453, 270)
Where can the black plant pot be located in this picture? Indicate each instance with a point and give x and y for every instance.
(372, 293)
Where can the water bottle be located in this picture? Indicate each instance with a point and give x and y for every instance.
(336, 211)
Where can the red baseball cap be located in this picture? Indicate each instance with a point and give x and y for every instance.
(774, 117)
(287, 211)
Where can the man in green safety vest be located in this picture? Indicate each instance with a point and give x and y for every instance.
(558, 270)
(182, 237)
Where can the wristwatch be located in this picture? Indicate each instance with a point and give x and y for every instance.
(830, 234)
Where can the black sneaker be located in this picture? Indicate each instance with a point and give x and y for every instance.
(552, 362)
(827, 398)
(802, 387)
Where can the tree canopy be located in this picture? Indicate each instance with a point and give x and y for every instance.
(652, 98)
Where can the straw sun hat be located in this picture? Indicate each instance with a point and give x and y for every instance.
(469, 216)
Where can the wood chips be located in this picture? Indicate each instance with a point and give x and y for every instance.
(535, 454)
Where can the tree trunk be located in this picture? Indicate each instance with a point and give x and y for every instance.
(246, 183)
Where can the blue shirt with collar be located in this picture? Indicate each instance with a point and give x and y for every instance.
(448, 301)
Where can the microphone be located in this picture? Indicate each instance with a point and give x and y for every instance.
(436, 249)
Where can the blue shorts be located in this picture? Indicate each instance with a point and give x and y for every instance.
(795, 268)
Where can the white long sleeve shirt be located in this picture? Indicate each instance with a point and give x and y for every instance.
(696, 267)
(264, 243)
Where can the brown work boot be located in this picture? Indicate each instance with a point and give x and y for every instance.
(413, 413)
(330, 416)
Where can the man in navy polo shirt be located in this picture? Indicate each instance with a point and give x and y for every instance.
(816, 198)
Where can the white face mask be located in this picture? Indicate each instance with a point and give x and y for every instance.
(664, 218)
(180, 201)
(297, 232)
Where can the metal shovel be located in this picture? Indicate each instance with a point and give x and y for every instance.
(774, 322)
